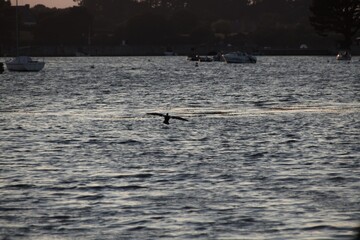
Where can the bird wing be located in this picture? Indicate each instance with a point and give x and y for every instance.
(180, 118)
(156, 114)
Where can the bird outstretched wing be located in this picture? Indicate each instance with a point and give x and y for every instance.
(156, 114)
(179, 118)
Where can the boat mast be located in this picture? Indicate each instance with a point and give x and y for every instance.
(17, 29)
(89, 41)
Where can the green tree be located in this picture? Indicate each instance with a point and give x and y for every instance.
(148, 28)
(184, 21)
(6, 23)
(222, 27)
(4, 4)
(67, 26)
(337, 16)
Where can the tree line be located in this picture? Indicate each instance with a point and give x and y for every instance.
(243, 23)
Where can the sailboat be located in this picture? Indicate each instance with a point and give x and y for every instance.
(22, 63)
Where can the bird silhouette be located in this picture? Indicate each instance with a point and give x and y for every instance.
(167, 117)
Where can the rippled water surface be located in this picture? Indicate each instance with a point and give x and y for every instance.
(270, 151)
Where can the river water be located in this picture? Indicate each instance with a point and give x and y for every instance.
(270, 151)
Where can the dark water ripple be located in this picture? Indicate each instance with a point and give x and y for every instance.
(271, 150)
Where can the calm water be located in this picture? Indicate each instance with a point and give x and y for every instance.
(271, 150)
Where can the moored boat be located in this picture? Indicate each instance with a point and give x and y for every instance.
(24, 64)
(239, 57)
(169, 53)
(343, 55)
(199, 58)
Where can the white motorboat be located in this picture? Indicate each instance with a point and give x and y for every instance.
(24, 63)
(239, 57)
(343, 55)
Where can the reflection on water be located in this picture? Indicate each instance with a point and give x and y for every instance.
(270, 150)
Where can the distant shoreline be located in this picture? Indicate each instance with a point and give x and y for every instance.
(128, 50)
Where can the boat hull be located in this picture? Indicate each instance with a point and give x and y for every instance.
(343, 56)
(229, 60)
(239, 57)
(24, 64)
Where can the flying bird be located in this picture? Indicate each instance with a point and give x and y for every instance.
(167, 117)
